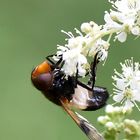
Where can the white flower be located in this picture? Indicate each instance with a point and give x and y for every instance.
(73, 61)
(121, 36)
(94, 43)
(127, 86)
(74, 54)
(124, 19)
(99, 46)
(110, 22)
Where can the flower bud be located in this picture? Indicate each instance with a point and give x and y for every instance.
(132, 127)
(86, 28)
(103, 119)
(117, 110)
(109, 109)
(110, 125)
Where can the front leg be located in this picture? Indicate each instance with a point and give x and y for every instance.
(57, 64)
(49, 58)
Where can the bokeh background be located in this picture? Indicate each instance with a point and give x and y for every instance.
(29, 31)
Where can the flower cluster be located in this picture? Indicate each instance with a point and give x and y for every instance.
(115, 124)
(127, 84)
(124, 19)
(79, 48)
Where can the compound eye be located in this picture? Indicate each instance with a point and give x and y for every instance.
(43, 82)
(42, 76)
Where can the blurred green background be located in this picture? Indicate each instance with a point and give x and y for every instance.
(29, 31)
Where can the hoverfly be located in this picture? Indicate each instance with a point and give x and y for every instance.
(70, 92)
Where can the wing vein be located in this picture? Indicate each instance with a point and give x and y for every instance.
(91, 132)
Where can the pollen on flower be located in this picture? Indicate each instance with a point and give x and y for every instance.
(127, 84)
(128, 93)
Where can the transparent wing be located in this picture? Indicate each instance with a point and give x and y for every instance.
(89, 129)
(83, 124)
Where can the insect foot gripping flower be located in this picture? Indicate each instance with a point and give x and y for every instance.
(127, 84)
(124, 19)
(78, 48)
(72, 54)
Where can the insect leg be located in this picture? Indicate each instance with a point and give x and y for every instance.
(55, 64)
(49, 58)
(93, 71)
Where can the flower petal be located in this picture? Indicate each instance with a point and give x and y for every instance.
(118, 97)
(128, 104)
(122, 37)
